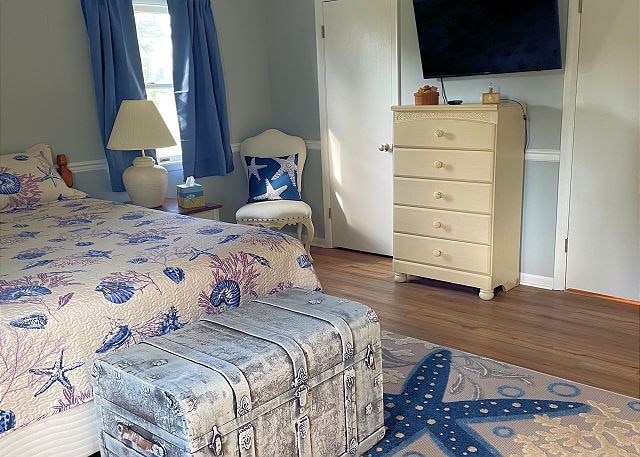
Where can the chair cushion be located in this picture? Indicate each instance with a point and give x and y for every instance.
(281, 209)
(272, 178)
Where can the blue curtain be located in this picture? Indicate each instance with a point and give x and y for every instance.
(200, 93)
(117, 71)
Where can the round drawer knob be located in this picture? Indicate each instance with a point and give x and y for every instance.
(437, 253)
(439, 133)
(438, 164)
(438, 195)
(437, 224)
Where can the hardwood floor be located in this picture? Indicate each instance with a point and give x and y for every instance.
(586, 339)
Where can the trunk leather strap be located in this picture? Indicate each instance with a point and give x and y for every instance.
(342, 327)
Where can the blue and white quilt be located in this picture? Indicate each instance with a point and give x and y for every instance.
(81, 278)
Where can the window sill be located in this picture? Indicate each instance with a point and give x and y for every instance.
(173, 165)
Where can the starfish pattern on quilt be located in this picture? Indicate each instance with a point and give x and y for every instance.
(57, 373)
(287, 166)
(252, 168)
(420, 410)
(195, 253)
(271, 194)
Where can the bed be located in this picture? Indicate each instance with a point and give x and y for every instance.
(83, 277)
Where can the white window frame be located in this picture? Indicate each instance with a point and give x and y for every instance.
(158, 7)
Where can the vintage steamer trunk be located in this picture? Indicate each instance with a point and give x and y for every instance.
(298, 373)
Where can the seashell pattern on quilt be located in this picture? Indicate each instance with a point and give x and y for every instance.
(87, 277)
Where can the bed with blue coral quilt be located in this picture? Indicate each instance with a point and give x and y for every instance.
(85, 277)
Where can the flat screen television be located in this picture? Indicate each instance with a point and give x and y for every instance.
(477, 37)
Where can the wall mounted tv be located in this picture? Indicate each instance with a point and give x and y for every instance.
(477, 37)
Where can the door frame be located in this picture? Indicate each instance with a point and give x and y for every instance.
(322, 97)
(566, 143)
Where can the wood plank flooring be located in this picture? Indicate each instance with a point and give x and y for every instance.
(586, 339)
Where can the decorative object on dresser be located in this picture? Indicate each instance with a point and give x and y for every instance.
(263, 379)
(209, 211)
(139, 125)
(276, 212)
(427, 95)
(458, 174)
(490, 97)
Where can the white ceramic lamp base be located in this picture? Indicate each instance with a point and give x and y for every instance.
(146, 182)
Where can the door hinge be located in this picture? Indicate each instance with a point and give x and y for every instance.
(322, 31)
(566, 245)
(579, 7)
(329, 213)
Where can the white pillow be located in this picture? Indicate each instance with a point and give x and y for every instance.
(41, 148)
(29, 178)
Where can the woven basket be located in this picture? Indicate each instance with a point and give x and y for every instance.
(427, 98)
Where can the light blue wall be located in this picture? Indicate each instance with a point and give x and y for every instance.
(294, 88)
(46, 90)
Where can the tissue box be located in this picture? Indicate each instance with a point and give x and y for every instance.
(190, 196)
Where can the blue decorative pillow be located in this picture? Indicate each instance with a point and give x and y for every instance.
(273, 178)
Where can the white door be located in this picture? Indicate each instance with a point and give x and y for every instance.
(604, 216)
(360, 77)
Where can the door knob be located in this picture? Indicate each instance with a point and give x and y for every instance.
(438, 195)
(385, 147)
(439, 133)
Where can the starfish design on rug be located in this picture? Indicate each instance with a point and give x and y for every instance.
(420, 410)
(252, 168)
(57, 373)
(271, 194)
(287, 166)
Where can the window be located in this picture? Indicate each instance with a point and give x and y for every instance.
(154, 38)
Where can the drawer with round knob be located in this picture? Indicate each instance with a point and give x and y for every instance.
(443, 253)
(444, 164)
(474, 228)
(444, 133)
(451, 195)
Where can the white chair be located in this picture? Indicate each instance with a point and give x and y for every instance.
(277, 213)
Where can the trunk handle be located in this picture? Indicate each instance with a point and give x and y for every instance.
(139, 442)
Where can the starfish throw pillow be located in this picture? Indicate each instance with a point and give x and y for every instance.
(273, 178)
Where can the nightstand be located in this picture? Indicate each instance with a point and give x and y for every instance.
(210, 211)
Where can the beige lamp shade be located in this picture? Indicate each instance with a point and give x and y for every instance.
(140, 126)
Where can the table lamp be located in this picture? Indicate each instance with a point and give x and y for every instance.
(139, 125)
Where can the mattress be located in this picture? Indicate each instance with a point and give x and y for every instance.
(85, 277)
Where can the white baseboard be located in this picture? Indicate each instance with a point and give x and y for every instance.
(542, 282)
(542, 155)
(318, 242)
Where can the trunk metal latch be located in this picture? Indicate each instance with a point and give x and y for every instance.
(216, 442)
(369, 358)
(301, 395)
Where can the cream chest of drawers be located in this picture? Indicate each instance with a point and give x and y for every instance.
(457, 179)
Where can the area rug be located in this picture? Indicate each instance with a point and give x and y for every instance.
(446, 402)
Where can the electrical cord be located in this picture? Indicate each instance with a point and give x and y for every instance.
(444, 92)
(525, 118)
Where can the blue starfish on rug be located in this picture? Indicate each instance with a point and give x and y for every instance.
(420, 410)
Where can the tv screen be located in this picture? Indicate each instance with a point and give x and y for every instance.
(476, 37)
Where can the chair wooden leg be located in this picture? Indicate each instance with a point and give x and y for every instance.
(299, 231)
(310, 232)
